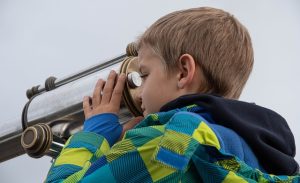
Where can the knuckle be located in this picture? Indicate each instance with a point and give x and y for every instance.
(106, 92)
(117, 92)
(107, 89)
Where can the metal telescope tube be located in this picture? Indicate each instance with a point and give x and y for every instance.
(54, 112)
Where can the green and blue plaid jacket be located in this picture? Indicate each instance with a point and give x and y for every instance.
(173, 146)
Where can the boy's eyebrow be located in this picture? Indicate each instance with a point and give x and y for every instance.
(141, 67)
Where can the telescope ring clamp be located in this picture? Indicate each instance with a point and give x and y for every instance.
(49, 85)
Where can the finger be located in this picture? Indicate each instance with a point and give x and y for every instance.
(97, 93)
(118, 90)
(131, 124)
(86, 105)
(109, 86)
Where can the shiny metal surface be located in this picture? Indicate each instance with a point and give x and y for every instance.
(64, 100)
(10, 128)
(60, 109)
(10, 139)
(134, 79)
(85, 72)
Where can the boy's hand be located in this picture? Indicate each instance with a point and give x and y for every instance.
(106, 97)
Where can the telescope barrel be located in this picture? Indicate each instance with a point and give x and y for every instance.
(66, 99)
(53, 113)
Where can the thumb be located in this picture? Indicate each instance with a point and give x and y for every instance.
(131, 124)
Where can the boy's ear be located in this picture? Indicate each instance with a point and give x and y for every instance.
(187, 68)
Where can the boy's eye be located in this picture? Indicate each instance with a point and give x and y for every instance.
(143, 76)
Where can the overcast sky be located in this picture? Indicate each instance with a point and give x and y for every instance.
(41, 38)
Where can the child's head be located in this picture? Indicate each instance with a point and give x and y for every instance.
(217, 43)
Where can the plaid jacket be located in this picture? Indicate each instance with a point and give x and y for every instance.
(173, 146)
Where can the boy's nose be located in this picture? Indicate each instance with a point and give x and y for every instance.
(139, 94)
(138, 98)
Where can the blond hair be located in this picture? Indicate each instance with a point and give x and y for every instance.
(219, 43)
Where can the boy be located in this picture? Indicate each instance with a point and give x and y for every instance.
(194, 64)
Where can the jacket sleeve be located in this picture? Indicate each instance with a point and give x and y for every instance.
(87, 157)
(80, 151)
(144, 155)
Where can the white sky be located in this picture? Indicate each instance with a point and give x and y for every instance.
(40, 38)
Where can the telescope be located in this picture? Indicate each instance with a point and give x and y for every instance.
(54, 110)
